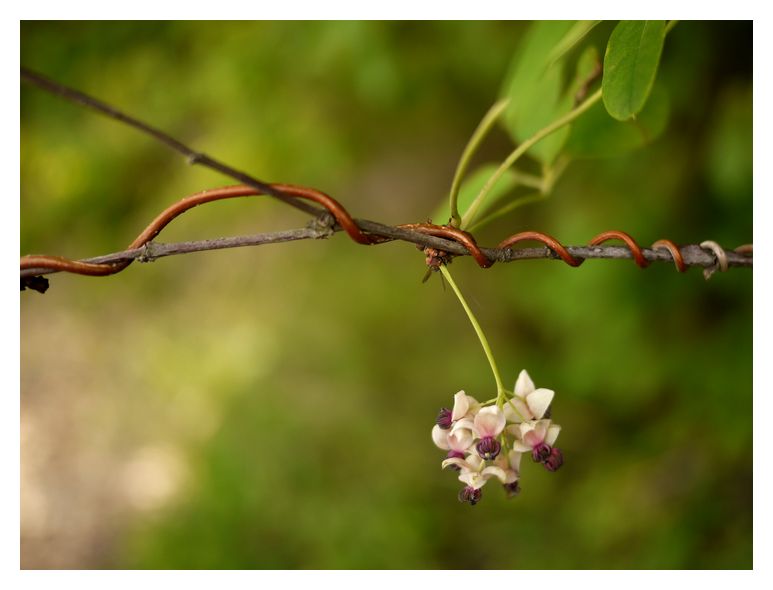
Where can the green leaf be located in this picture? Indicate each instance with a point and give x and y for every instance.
(534, 87)
(471, 187)
(597, 135)
(630, 66)
(572, 37)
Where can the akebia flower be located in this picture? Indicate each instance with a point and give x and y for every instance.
(528, 403)
(486, 441)
(475, 472)
(538, 437)
(488, 424)
(459, 440)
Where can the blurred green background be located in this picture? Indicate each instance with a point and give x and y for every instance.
(271, 407)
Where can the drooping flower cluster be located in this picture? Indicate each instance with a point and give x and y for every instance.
(486, 441)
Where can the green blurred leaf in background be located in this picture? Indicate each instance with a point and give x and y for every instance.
(534, 86)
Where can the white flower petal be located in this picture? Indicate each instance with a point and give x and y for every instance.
(464, 424)
(525, 428)
(461, 404)
(490, 421)
(516, 410)
(541, 427)
(505, 476)
(524, 385)
(440, 437)
(475, 461)
(473, 406)
(460, 440)
(552, 434)
(461, 463)
(539, 400)
(514, 459)
(472, 479)
(521, 447)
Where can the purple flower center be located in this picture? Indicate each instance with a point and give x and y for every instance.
(540, 452)
(455, 455)
(471, 495)
(512, 489)
(444, 419)
(488, 448)
(555, 460)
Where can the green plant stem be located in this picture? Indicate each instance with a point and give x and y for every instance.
(472, 146)
(671, 24)
(545, 188)
(501, 391)
(504, 210)
(522, 149)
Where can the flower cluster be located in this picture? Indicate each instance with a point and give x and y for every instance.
(487, 440)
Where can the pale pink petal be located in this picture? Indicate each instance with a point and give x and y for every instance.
(525, 428)
(461, 405)
(539, 400)
(524, 385)
(472, 479)
(460, 440)
(541, 428)
(464, 424)
(440, 437)
(475, 461)
(504, 475)
(473, 406)
(521, 447)
(514, 459)
(461, 463)
(516, 410)
(552, 434)
(532, 439)
(490, 421)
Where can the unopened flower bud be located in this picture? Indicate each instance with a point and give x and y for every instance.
(444, 419)
(488, 448)
(512, 489)
(540, 452)
(471, 495)
(555, 460)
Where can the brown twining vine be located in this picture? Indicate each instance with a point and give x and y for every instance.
(441, 242)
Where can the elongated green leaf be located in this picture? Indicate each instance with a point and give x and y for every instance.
(471, 187)
(534, 88)
(597, 135)
(630, 66)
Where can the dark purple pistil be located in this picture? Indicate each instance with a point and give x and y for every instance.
(540, 452)
(444, 419)
(488, 448)
(555, 460)
(471, 495)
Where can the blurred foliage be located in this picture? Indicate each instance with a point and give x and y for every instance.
(271, 407)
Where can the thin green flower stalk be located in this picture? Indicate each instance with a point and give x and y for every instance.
(472, 146)
(522, 149)
(502, 396)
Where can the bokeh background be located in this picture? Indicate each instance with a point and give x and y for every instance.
(271, 407)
